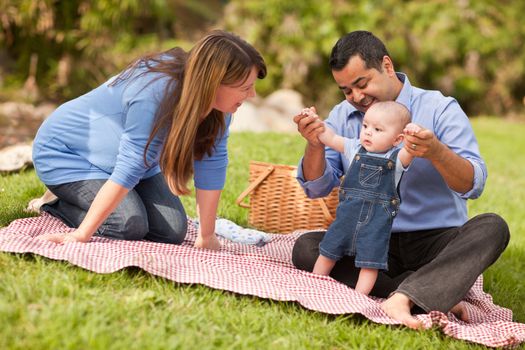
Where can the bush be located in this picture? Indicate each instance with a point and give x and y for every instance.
(77, 44)
(467, 49)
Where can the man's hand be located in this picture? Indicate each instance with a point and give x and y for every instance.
(421, 142)
(310, 126)
(457, 172)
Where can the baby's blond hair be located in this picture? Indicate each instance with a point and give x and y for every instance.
(397, 112)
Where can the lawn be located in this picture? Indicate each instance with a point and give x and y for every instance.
(45, 304)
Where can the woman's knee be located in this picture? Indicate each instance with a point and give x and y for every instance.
(136, 227)
(127, 223)
(170, 228)
(177, 233)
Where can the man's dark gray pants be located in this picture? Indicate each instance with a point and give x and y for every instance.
(434, 268)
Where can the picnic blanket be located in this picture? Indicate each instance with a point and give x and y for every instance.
(265, 272)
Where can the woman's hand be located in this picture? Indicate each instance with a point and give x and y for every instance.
(62, 238)
(210, 242)
(207, 202)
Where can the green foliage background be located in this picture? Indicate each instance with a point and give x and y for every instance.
(80, 43)
(471, 50)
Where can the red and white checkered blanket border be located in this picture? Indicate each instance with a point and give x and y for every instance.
(265, 272)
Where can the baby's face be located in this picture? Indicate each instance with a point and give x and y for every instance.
(379, 132)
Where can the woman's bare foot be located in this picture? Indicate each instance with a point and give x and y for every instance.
(35, 204)
(460, 311)
(398, 307)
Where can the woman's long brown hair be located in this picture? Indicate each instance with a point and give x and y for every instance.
(184, 118)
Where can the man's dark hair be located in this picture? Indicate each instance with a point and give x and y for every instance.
(362, 43)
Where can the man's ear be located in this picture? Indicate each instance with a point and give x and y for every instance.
(388, 65)
(399, 139)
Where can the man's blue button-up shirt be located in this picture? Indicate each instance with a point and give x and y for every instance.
(426, 200)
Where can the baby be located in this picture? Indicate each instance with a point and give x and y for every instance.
(368, 195)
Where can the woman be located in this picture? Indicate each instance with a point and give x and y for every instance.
(102, 153)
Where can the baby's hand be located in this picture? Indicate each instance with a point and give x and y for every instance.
(310, 111)
(411, 129)
(327, 133)
(309, 126)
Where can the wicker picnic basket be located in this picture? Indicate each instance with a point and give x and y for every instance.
(278, 203)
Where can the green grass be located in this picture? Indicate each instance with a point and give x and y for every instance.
(45, 304)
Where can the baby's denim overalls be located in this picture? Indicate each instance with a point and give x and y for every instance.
(368, 203)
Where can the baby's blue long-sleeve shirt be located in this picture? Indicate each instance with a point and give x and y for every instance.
(103, 134)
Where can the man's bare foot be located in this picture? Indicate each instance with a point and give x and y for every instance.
(460, 311)
(398, 307)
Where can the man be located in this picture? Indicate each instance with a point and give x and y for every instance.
(436, 253)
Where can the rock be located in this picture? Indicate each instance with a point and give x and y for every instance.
(15, 157)
(277, 121)
(279, 108)
(247, 119)
(23, 111)
(17, 110)
(42, 111)
(20, 121)
(274, 113)
(285, 101)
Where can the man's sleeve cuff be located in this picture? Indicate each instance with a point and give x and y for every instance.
(479, 182)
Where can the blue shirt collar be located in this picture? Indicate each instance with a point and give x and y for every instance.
(405, 96)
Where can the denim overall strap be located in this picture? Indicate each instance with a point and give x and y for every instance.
(372, 177)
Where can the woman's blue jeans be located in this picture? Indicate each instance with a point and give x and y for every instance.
(149, 211)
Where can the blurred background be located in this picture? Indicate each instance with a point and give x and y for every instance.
(52, 51)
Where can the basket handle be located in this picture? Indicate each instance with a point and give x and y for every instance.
(253, 185)
(324, 209)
